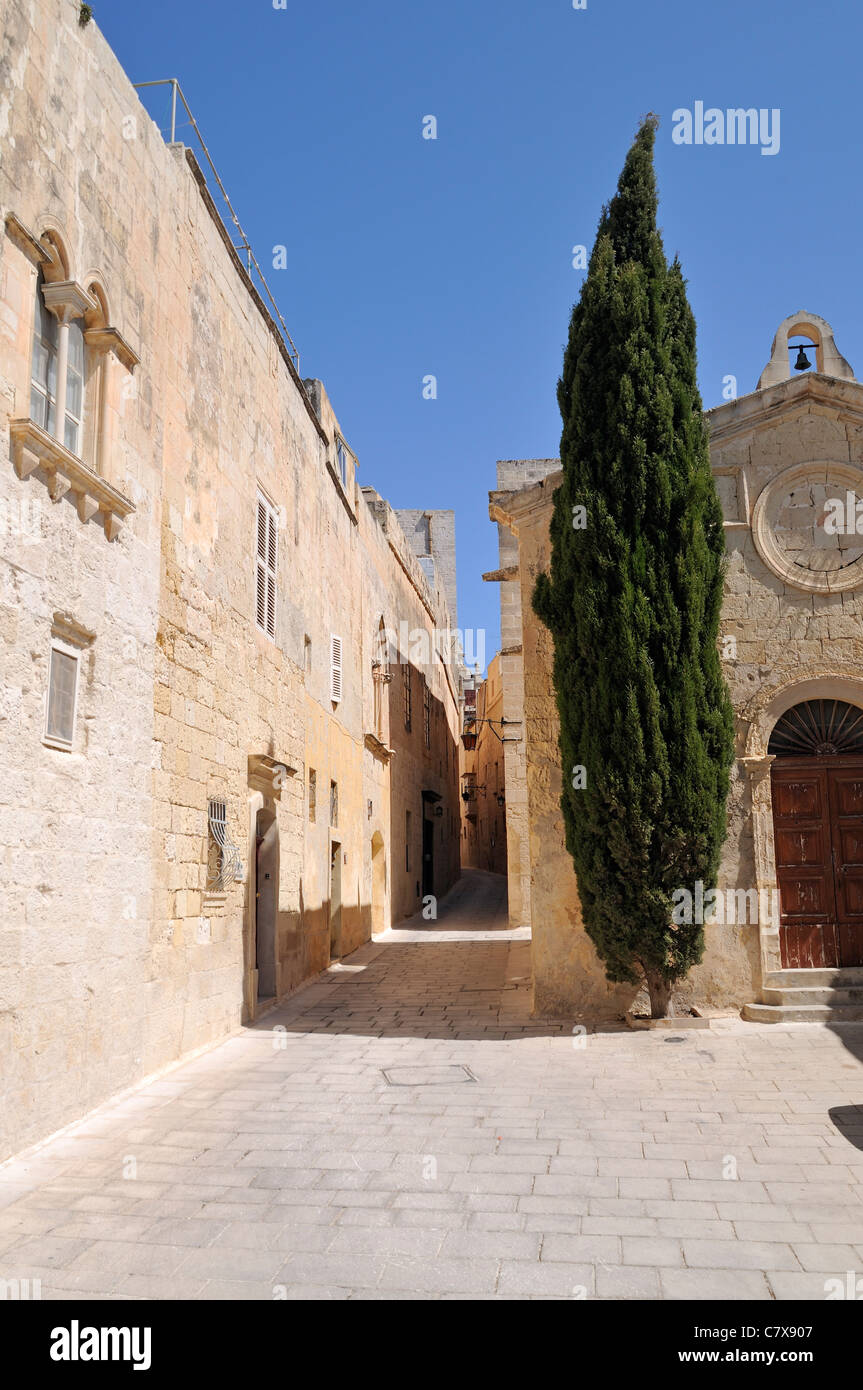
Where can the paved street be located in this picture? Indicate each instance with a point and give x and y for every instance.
(403, 1129)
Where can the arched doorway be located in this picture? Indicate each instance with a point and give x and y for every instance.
(379, 884)
(266, 900)
(817, 793)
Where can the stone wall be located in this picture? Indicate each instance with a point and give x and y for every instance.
(512, 475)
(118, 954)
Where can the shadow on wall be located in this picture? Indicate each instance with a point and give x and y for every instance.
(425, 847)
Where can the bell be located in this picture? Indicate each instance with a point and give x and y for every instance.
(802, 362)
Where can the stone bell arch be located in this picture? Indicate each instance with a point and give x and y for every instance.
(828, 359)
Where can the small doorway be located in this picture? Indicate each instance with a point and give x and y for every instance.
(428, 856)
(335, 900)
(817, 788)
(266, 901)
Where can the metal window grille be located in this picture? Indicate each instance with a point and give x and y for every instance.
(223, 856)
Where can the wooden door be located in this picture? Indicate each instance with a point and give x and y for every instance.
(846, 814)
(804, 863)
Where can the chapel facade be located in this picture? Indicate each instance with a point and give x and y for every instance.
(784, 933)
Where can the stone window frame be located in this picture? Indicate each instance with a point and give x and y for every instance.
(70, 638)
(426, 712)
(54, 740)
(336, 668)
(381, 678)
(407, 693)
(266, 564)
(36, 448)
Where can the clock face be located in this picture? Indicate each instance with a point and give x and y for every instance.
(804, 525)
(815, 527)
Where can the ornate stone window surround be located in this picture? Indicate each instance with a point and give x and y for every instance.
(34, 447)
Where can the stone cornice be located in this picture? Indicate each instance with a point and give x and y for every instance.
(380, 750)
(268, 775)
(67, 299)
(110, 340)
(760, 408)
(33, 447)
(510, 508)
(501, 576)
(26, 241)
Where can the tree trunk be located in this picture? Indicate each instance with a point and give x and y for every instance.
(660, 995)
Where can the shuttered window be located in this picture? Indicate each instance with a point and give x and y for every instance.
(62, 697)
(335, 668)
(265, 575)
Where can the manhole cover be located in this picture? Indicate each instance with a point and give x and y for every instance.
(446, 1075)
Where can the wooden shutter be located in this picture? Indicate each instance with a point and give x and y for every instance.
(335, 668)
(266, 565)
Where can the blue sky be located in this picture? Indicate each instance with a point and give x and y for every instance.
(452, 257)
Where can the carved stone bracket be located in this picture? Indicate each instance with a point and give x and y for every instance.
(33, 447)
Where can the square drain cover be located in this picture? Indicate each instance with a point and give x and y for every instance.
(445, 1075)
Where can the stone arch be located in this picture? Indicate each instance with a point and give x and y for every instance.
(58, 267)
(755, 725)
(828, 359)
(99, 316)
(773, 700)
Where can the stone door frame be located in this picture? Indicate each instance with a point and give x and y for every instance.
(756, 722)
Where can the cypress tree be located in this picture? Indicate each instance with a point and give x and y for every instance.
(633, 601)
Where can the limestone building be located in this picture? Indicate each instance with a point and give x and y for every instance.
(483, 777)
(785, 938)
(229, 704)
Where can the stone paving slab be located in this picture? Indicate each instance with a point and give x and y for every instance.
(507, 1162)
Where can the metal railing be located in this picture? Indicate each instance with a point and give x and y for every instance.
(244, 245)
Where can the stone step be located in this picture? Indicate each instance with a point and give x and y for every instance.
(802, 1013)
(813, 994)
(838, 977)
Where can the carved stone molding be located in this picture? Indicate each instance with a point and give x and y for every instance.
(268, 775)
(766, 531)
(33, 447)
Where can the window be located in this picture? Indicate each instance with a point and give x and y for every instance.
(43, 372)
(307, 653)
(426, 713)
(223, 856)
(407, 842)
(62, 697)
(216, 830)
(380, 681)
(334, 803)
(342, 462)
(406, 679)
(335, 669)
(47, 329)
(74, 388)
(313, 794)
(265, 579)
